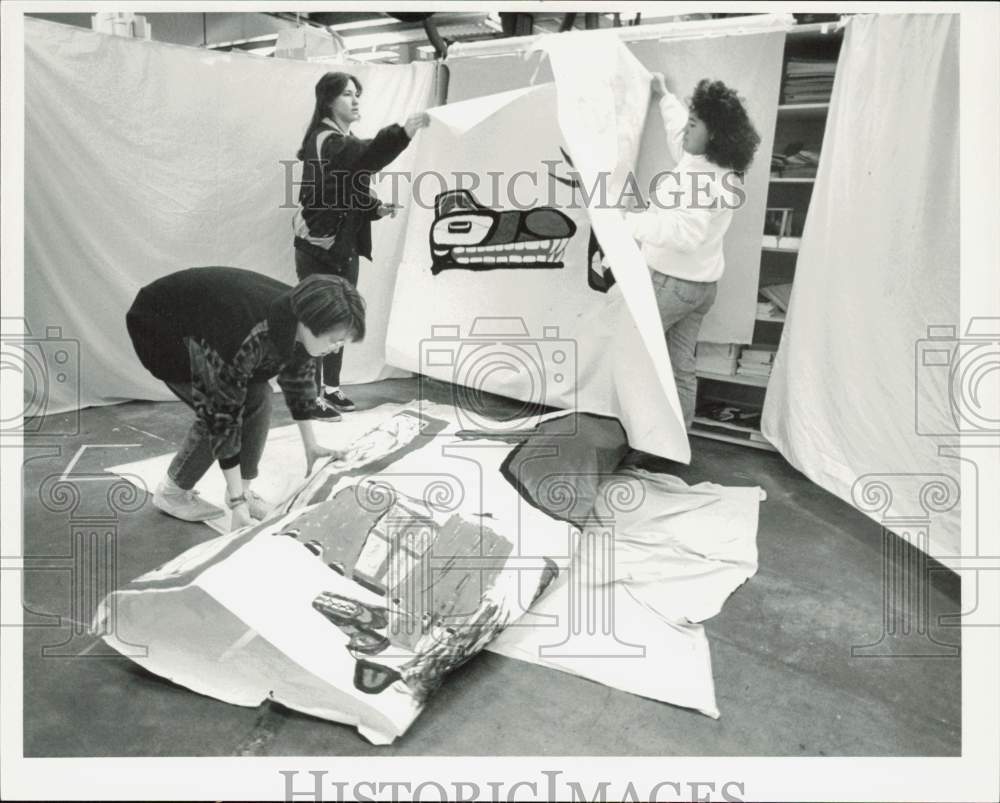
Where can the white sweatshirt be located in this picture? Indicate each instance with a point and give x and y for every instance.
(690, 209)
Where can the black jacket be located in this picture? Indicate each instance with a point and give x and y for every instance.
(335, 194)
(220, 329)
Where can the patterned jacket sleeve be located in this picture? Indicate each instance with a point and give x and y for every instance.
(219, 390)
(297, 380)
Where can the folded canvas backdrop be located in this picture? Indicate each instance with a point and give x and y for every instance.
(143, 158)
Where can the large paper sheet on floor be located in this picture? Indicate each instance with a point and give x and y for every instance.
(257, 614)
(355, 603)
(282, 466)
(501, 287)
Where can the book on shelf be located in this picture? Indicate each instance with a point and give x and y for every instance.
(786, 243)
(728, 413)
(754, 369)
(802, 65)
(717, 358)
(720, 368)
(778, 294)
(757, 354)
(808, 80)
(768, 311)
(797, 161)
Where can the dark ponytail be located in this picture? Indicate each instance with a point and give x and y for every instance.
(328, 89)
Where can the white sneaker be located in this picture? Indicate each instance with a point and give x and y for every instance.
(186, 505)
(260, 508)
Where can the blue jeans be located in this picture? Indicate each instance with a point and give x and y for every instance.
(310, 259)
(682, 306)
(194, 458)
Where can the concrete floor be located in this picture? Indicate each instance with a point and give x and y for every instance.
(786, 681)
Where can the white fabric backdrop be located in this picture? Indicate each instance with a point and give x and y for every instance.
(749, 62)
(143, 158)
(879, 263)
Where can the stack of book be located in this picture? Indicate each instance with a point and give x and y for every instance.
(797, 161)
(717, 358)
(756, 360)
(809, 80)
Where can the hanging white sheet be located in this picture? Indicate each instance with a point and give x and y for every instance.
(143, 158)
(859, 391)
(747, 60)
(501, 287)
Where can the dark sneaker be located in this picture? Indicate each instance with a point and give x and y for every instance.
(339, 400)
(324, 412)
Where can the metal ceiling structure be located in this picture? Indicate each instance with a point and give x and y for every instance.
(401, 37)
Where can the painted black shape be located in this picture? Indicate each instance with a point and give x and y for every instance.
(345, 611)
(549, 573)
(372, 678)
(581, 449)
(460, 221)
(367, 642)
(599, 278)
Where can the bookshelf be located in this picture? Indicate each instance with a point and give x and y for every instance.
(801, 121)
(736, 379)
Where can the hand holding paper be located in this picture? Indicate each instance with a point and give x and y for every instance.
(415, 122)
(657, 86)
(314, 452)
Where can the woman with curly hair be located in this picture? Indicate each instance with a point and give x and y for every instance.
(681, 231)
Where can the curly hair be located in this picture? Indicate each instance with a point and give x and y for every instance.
(732, 139)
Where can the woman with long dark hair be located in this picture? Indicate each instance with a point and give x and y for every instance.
(337, 206)
(681, 231)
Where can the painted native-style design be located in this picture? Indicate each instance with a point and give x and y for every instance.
(438, 584)
(599, 276)
(468, 235)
